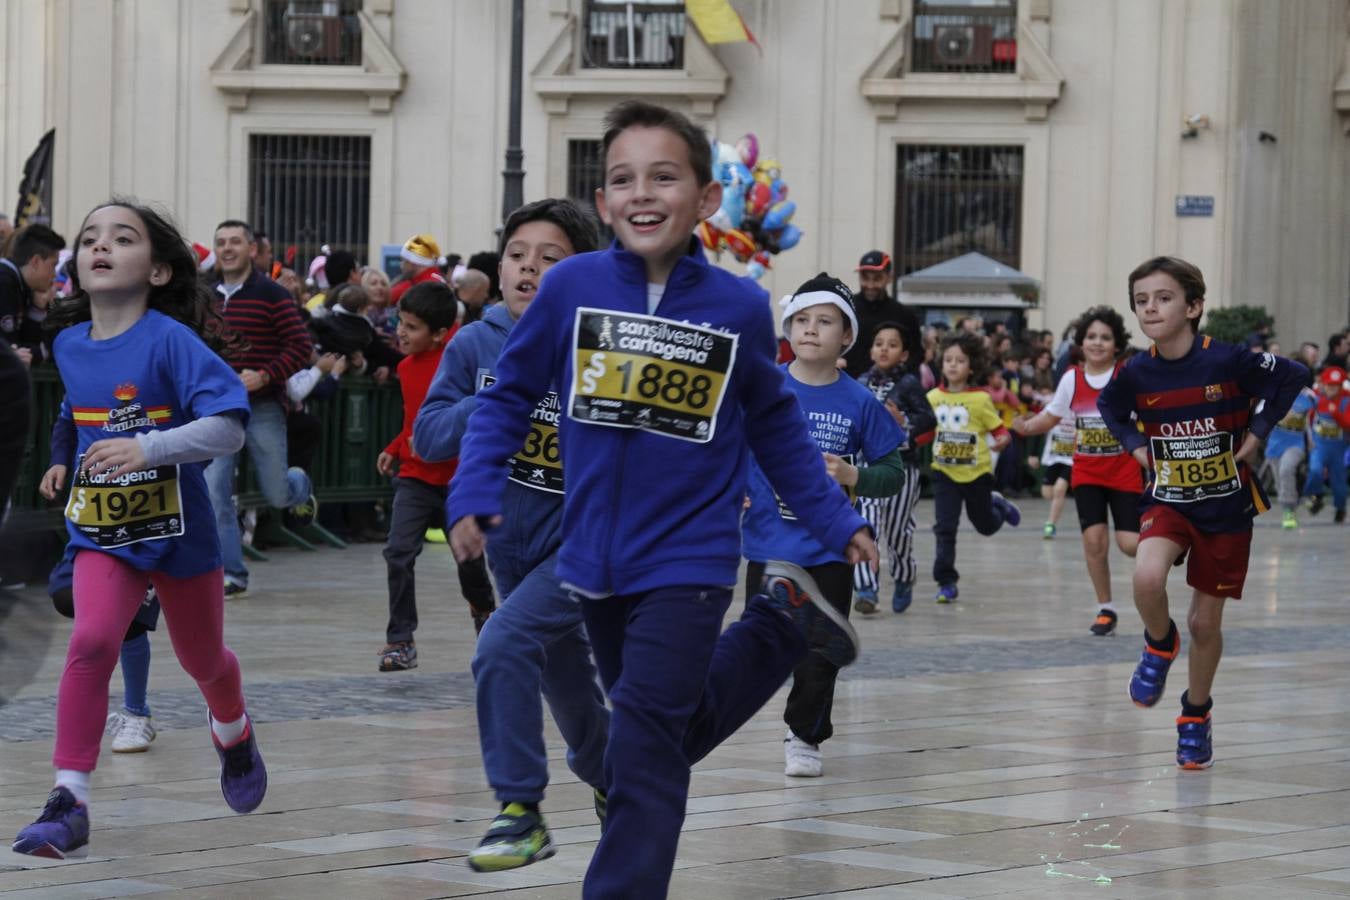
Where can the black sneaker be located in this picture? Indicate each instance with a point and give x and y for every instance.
(234, 591)
(1315, 504)
(1105, 623)
(398, 657)
(791, 589)
(1339, 517)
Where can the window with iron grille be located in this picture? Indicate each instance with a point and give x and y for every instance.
(978, 36)
(955, 199)
(624, 34)
(312, 32)
(585, 173)
(307, 190)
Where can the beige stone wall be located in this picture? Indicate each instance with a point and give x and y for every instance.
(128, 86)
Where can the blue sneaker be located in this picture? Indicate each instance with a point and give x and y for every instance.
(1150, 676)
(904, 596)
(866, 602)
(61, 831)
(946, 593)
(243, 777)
(1011, 514)
(792, 589)
(1195, 742)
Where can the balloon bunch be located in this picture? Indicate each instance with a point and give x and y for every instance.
(753, 222)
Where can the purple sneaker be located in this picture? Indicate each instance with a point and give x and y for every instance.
(243, 777)
(61, 831)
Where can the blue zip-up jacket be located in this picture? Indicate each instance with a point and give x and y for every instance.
(532, 527)
(643, 509)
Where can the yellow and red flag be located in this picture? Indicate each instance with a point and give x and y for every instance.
(718, 21)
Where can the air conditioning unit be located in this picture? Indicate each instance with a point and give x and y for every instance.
(962, 46)
(314, 30)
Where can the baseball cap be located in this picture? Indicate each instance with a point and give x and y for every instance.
(1332, 375)
(874, 261)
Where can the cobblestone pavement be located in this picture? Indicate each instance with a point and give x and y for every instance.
(985, 748)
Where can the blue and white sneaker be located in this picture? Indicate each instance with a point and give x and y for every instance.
(1195, 742)
(1150, 676)
(946, 593)
(904, 596)
(1011, 514)
(866, 602)
(791, 588)
(243, 777)
(60, 832)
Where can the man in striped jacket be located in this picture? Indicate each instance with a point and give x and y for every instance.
(265, 315)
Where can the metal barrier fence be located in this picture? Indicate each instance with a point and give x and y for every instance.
(357, 422)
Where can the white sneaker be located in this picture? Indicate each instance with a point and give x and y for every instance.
(801, 760)
(134, 733)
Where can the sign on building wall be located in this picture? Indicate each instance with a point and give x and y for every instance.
(1195, 205)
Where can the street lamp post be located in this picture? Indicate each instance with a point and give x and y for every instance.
(513, 176)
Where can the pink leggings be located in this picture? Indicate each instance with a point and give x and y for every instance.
(107, 595)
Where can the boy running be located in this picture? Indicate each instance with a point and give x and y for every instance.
(1193, 397)
(668, 368)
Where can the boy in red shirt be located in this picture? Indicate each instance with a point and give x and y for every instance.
(426, 320)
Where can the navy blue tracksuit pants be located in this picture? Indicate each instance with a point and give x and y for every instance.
(677, 690)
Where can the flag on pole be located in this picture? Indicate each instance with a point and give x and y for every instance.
(718, 21)
(35, 191)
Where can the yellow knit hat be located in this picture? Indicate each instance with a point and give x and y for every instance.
(421, 250)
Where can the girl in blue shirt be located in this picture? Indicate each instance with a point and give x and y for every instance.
(151, 403)
(850, 425)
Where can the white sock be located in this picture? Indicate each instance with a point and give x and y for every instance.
(1110, 606)
(228, 733)
(75, 782)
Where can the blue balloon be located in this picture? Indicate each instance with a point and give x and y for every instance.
(779, 215)
(789, 237)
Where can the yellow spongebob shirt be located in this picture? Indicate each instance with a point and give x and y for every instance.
(960, 440)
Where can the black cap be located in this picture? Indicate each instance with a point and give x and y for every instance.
(874, 261)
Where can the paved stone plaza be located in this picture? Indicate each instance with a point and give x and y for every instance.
(983, 749)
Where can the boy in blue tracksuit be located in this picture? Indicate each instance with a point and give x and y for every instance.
(535, 639)
(666, 370)
(1286, 448)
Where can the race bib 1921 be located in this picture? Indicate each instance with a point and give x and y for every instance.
(638, 371)
(1197, 467)
(538, 465)
(135, 507)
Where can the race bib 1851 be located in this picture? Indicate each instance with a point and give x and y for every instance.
(638, 371)
(538, 465)
(1197, 467)
(135, 507)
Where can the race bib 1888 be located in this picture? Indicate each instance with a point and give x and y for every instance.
(636, 371)
(538, 465)
(1198, 467)
(135, 507)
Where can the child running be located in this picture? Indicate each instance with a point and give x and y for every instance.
(426, 317)
(151, 403)
(962, 462)
(897, 354)
(1104, 476)
(1193, 397)
(1286, 448)
(670, 380)
(535, 641)
(1330, 421)
(849, 426)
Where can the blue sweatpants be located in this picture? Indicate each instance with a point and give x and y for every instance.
(1329, 455)
(678, 689)
(535, 642)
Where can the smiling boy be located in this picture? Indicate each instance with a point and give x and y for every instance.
(1193, 398)
(666, 369)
